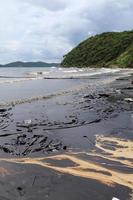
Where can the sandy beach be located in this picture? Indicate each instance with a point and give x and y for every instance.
(66, 134)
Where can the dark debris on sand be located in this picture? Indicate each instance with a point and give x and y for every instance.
(23, 145)
(104, 104)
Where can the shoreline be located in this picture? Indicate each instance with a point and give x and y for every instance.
(46, 160)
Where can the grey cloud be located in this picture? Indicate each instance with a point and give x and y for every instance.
(112, 16)
(46, 30)
(50, 5)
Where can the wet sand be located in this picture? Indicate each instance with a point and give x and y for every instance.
(75, 143)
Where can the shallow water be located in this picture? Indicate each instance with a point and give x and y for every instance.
(28, 83)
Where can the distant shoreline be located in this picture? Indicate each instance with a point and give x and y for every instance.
(20, 64)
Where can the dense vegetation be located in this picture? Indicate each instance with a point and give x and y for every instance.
(112, 49)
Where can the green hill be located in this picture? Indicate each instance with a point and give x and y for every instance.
(111, 49)
(30, 64)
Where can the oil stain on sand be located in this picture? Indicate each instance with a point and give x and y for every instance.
(110, 162)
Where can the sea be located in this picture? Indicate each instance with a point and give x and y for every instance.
(18, 85)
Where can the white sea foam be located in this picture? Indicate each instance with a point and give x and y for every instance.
(58, 73)
(70, 71)
(53, 88)
(75, 88)
(61, 73)
(17, 80)
(114, 198)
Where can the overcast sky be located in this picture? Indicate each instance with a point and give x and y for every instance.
(45, 30)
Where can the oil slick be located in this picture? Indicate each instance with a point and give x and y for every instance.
(117, 155)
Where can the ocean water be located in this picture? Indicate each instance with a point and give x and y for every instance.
(19, 85)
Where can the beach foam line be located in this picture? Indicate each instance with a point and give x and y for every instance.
(90, 86)
(75, 73)
(37, 98)
(60, 93)
(80, 74)
(18, 80)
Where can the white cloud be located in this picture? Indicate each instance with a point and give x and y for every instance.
(46, 30)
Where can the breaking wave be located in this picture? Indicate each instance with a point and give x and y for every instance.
(77, 88)
(10, 80)
(61, 73)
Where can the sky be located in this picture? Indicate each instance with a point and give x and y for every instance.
(45, 30)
